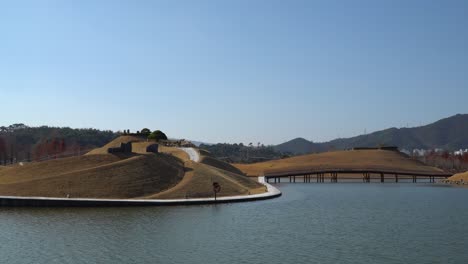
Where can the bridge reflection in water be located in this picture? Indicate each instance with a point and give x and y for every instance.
(308, 176)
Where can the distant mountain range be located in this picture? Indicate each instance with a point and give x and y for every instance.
(449, 133)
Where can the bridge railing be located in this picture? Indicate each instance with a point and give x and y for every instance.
(271, 173)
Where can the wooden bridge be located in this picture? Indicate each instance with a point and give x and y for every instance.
(319, 175)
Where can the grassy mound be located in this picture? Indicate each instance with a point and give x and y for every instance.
(352, 159)
(98, 174)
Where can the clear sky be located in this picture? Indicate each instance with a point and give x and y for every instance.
(233, 71)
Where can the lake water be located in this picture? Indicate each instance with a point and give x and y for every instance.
(310, 223)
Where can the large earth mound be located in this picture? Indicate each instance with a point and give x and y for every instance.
(350, 159)
(139, 174)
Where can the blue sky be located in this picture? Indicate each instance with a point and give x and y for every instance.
(234, 71)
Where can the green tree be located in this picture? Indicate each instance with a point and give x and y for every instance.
(157, 135)
(145, 131)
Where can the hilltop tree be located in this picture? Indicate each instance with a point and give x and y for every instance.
(157, 135)
(145, 131)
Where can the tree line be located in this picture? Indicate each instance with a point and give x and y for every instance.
(240, 153)
(19, 142)
(445, 160)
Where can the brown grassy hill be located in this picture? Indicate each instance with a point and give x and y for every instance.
(351, 159)
(52, 168)
(98, 174)
(135, 176)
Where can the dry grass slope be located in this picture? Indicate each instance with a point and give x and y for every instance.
(352, 159)
(53, 168)
(136, 176)
(198, 183)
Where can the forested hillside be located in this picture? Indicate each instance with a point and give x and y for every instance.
(19, 142)
(240, 153)
(448, 134)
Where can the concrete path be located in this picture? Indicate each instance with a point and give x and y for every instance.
(272, 192)
(193, 154)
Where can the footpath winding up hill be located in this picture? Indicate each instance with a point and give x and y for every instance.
(98, 174)
(351, 159)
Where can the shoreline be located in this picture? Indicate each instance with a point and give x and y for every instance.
(459, 183)
(272, 192)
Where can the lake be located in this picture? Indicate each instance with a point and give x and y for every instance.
(310, 223)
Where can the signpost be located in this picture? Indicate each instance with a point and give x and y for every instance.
(216, 188)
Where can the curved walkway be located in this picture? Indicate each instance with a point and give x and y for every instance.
(48, 201)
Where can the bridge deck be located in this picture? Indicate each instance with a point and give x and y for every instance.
(356, 171)
(366, 174)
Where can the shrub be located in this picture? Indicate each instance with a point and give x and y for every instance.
(157, 135)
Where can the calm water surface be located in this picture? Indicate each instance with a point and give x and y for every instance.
(310, 223)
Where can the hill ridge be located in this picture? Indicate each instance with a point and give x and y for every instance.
(449, 133)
